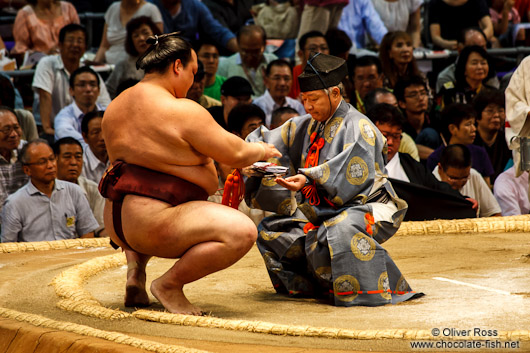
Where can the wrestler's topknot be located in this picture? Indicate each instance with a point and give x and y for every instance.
(164, 50)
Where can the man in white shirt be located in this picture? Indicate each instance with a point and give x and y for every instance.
(511, 192)
(51, 79)
(455, 169)
(278, 80)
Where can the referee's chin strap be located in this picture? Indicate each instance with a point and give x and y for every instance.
(234, 190)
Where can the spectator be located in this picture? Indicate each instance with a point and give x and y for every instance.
(448, 18)
(138, 30)
(403, 167)
(24, 117)
(367, 76)
(244, 119)
(459, 128)
(95, 157)
(196, 91)
(320, 15)
(504, 17)
(455, 169)
(45, 208)
(278, 80)
(38, 24)
(360, 19)
(195, 21)
(251, 61)
(281, 115)
(382, 95)
(12, 176)
(236, 90)
(310, 42)
(412, 95)
(511, 193)
(339, 43)
(52, 76)
(115, 33)
(231, 14)
(472, 74)
(489, 105)
(397, 57)
(469, 36)
(402, 16)
(84, 88)
(69, 153)
(208, 54)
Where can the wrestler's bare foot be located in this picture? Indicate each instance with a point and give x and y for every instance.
(135, 293)
(173, 299)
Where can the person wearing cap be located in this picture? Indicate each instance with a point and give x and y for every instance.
(336, 207)
(161, 174)
(236, 90)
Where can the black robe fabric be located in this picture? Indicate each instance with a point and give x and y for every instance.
(427, 197)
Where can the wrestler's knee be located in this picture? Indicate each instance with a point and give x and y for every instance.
(243, 236)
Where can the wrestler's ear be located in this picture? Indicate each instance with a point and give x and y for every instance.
(177, 66)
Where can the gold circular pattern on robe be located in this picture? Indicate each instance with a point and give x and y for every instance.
(367, 131)
(337, 219)
(294, 252)
(363, 247)
(337, 201)
(357, 171)
(288, 133)
(268, 236)
(346, 284)
(271, 262)
(324, 273)
(402, 285)
(285, 207)
(383, 284)
(255, 203)
(319, 173)
(268, 182)
(332, 128)
(308, 211)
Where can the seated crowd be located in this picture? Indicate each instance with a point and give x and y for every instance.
(445, 136)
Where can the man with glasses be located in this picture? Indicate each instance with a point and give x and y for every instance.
(411, 179)
(208, 54)
(278, 80)
(51, 79)
(84, 88)
(12, 177)
(251, 60)
(413, 99)
(455, 169)
(45, 208)
(310, 43)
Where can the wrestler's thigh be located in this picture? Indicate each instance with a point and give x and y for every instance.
(162, 230)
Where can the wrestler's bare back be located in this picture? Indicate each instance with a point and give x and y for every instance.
(145, 126)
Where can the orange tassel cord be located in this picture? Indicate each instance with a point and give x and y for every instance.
(369, 218)
(234, 190)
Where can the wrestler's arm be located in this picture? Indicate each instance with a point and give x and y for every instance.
(210, 139)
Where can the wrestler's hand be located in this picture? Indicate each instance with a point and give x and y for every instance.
(293, 183)
(270, 151)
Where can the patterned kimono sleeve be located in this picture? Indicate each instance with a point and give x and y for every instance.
(352, 165)
(265, 193)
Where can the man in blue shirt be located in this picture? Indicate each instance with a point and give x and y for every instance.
(84, 88)
(194, 20)
(46, 208)
(360, 18)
